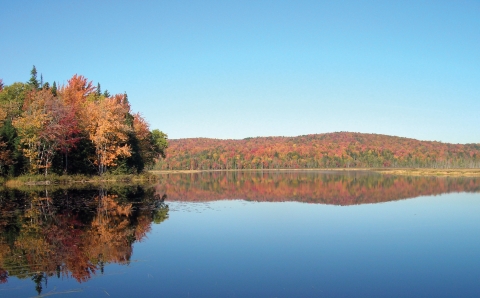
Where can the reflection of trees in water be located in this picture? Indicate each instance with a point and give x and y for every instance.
(341, 188)
(73, 233)
(161, 209)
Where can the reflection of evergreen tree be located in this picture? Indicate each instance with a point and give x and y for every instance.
(160, 213)
(38, 278)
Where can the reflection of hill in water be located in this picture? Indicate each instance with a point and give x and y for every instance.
(339, 188)
(72, 233)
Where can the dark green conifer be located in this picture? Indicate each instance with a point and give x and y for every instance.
(99, 90)
(33, 82)
(54, 89)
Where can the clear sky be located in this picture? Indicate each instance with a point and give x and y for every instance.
(236, 69)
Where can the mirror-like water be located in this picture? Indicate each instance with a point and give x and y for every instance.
(240, 234)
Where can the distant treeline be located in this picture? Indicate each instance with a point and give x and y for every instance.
(72, 129)
(331, 150)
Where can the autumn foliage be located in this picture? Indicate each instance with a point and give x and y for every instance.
(331, 150)
(72, 129)
(108, 130)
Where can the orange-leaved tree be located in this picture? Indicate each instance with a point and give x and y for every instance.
(75, 95)
(76, 91)
(108, 131)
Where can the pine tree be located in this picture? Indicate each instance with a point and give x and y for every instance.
(33, 78)
(54, 89)
(99, 90)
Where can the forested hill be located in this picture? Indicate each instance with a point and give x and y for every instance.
(330, 150)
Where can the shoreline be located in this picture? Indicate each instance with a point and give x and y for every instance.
(432, 172)
(153, 175)
(462, 172)
(40, 180)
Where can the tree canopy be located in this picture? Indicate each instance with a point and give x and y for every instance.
(72, 129)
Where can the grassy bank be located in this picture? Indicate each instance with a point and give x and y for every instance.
(154, 175)
(432, 172)
(74, 179)
(391, 171)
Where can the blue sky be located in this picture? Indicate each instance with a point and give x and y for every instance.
(236, 69)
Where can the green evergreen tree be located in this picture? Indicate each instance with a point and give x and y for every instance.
(33, 82)
(54, 89)
(78, 160)
(99, 90)
(8, 134)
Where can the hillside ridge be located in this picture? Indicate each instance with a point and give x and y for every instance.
(327, 150)
(317, 134)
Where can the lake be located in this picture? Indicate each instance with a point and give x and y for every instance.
(245, 234)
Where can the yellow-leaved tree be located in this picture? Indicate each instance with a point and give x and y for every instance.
(42, 127)
(30, 124)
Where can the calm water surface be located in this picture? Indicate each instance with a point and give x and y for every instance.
(245, 234)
